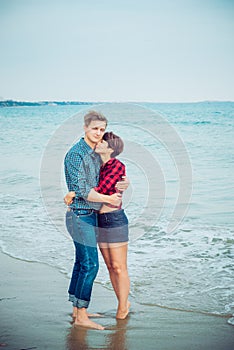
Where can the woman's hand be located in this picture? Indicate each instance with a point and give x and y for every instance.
(68, 199)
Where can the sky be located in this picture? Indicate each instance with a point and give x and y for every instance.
(125, 50)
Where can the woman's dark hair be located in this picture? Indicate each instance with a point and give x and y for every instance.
(114, 142)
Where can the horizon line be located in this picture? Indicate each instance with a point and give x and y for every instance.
(120, 101)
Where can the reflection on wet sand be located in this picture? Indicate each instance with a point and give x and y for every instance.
(117, 339)
(113, 337)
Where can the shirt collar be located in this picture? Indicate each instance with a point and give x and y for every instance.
(109, 162)
(85, 146)
(89, 150)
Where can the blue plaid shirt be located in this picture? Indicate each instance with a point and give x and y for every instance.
(82, 166)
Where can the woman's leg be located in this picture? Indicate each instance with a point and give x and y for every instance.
(107, 258)
(115, 257)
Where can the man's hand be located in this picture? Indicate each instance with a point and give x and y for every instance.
(115, 199)
(68, 199)
(122, 185)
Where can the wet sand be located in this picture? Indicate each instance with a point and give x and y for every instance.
(35, 314)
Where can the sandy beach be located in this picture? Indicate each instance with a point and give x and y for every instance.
(35, 314)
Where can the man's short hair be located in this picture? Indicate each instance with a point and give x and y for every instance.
(114, 142)
(93, 115)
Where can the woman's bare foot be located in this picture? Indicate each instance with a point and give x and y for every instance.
(122, 314)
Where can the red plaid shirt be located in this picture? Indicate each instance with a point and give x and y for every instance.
(110, 173)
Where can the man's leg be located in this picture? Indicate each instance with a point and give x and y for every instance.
(88, 270)
(86, 251)
(71, 223)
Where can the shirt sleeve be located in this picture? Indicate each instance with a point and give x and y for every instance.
(107, 183)
(75, 173)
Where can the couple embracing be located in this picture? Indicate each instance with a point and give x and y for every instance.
(96, 181)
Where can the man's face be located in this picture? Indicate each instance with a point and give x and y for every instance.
(94, 132)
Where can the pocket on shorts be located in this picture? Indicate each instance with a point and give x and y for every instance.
(119, 220)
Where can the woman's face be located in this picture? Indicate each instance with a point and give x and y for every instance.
(102, 147)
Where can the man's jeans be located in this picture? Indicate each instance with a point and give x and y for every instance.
(82, 229)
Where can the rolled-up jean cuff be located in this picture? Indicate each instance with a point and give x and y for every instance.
(71, 297)
(79, 303)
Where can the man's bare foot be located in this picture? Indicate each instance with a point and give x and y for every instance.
(82, 319)
(122, 314)
(94, 315)
(74, 313)
(87, 323)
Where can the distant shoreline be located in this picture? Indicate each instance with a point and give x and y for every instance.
(13, 103)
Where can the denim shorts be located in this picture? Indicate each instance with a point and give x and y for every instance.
(112, 227)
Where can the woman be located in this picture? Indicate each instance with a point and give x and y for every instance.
(112, 234)
(112, 222)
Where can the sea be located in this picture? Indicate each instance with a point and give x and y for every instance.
(179, 160)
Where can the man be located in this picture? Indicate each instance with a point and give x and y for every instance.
(82, 167)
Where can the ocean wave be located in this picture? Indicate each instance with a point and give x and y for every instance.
(16, 178)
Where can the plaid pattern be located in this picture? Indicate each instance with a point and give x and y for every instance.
(82, 166)
(110, 173)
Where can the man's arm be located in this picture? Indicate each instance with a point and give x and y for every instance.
(76, 175)
(72, 164)
(93, 196)
(114, 199)
(78, 185)
(123, 185)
